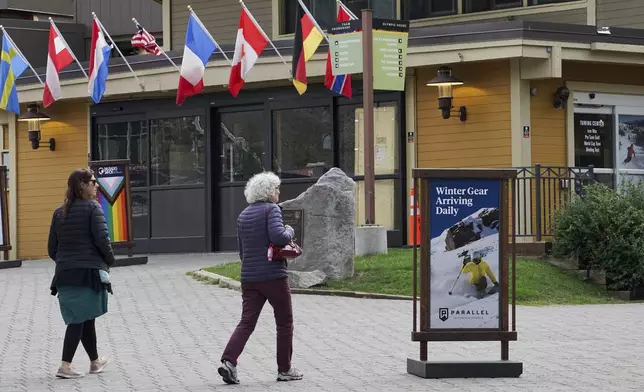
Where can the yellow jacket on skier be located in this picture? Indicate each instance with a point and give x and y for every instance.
(477, 271)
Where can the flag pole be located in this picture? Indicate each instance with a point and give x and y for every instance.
(266, 37)
(161, 49)
(22, 56)
(306, 10)
(68, 48)
(209, 36)
(118, 50)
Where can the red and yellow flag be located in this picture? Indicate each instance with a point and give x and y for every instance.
(307, 39)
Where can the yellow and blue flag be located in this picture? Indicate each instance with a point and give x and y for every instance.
(11, 67)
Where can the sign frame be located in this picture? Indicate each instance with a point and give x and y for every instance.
(424, 333)
(125, 163)
(5, 245)
(400, 29)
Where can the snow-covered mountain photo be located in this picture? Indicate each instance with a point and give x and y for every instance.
(475, 234)
(631, 136)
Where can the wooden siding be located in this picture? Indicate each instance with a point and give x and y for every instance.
(620, 13)
(42, 174)
(116, 15)
(484, 140)
(578, 16)
(221, 18)
(548, 125)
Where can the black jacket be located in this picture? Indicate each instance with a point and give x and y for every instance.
(80, 239)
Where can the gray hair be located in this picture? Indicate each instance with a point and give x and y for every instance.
(261, 186)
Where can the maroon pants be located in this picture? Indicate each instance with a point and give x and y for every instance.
(254, 295)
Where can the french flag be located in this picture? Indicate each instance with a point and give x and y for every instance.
(98, 63)
(196, 52)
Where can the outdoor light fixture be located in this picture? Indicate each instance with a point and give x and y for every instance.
(444, 81)
(33, 118)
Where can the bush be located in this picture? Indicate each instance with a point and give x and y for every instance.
(605, 229)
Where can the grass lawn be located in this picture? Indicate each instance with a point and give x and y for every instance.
(538, 283)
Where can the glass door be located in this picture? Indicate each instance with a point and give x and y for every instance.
(629, 146)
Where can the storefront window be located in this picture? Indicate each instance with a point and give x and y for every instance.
(178, 151)
(630, 142)
(302, 142)
(242, 145)
(594, 140)
(420, 9)
(140, 212)
(125, 140)
(470, 6)
(351, 136)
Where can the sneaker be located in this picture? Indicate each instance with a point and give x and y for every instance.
(68, 372)
(291, 375)
(99, 365)
(228, 372)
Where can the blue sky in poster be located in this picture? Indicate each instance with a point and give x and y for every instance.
(452, 200)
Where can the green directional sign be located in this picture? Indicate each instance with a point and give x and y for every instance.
(346, 53)
(389, 54)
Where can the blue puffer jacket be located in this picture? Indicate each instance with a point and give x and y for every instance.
(257, 226)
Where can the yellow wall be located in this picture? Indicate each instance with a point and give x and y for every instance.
(484, 139)
(548, 136)
(42, 174)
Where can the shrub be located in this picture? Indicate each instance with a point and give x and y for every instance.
(606, 229)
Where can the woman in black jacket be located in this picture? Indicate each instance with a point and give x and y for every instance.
(79, 243)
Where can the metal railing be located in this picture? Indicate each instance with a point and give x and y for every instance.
(540, 191)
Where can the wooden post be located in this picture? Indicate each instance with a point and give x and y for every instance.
(367, 102)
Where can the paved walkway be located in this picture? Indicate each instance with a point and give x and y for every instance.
(166, 331)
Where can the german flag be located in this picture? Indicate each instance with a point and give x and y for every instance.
(307, 39)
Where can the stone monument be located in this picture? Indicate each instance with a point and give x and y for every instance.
(328, 243)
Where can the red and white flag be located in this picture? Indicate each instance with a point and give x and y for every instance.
(251, 41)
(59, 56)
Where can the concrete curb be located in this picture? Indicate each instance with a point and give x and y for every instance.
(225, 282)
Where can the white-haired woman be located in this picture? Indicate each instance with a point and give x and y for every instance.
(259, 225)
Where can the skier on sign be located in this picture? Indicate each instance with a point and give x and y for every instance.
(478, 269)
(630, 153)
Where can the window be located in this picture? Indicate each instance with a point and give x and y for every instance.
(419, 9)
(302, 142)
(140, 214)
(593, 140)
(325, 11)
(242, 145)
(125, 140)
(470, 6)
(351, 159)
(177, 151)
(540, 2)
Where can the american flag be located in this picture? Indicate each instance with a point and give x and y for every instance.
(146, 41)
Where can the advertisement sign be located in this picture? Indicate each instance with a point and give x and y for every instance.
(389, 54)
(114, 197)
(464, 253)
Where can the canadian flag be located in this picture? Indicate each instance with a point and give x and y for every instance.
(251, 41)
(59, 57)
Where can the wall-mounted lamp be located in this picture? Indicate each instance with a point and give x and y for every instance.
(34, 117)
(444, 81)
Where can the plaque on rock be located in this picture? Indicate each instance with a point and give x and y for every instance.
(295, 218)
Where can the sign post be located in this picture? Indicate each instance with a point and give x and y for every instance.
(114, 197)
(5, 243)
(377, 48)
(464, 265)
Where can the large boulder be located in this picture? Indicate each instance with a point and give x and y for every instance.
(329, 208)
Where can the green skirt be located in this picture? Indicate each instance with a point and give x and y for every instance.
(79, 303)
